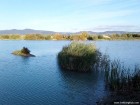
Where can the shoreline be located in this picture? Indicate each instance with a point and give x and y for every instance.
(73, 37)
(71, 40)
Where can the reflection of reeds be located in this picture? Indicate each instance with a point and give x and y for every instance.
(79, 57)
(85, 57)
(119, 78)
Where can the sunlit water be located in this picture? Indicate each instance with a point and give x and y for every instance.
(39, 80)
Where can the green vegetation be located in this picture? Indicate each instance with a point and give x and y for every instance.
(23, 52)
(123, 83)
(119, 78)
(13, 37)
(36, 37)
(85, 57)
(125, 36)
(79, 57)
(82, 36)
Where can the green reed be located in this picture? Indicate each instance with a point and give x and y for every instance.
(119, 78)
(79, 57)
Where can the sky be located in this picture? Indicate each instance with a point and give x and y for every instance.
(70, 15)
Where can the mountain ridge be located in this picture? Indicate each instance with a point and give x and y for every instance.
(33, 31)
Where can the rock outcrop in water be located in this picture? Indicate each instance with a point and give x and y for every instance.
(23, 52)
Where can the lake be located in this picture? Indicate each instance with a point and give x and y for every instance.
(39, 80)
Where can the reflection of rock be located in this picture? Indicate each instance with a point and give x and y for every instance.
(23, 52)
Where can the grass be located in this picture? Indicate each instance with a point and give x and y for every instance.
(23, 52)
(80, 36)
(123, 83)
(79, 57)
(119, 78)
(18, 52)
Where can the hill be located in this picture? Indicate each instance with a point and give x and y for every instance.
(32, 31)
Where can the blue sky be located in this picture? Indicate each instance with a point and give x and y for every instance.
(70, 15)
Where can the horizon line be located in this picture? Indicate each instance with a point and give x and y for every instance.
(65, 32)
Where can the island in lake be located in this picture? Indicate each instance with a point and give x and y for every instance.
(23, 52)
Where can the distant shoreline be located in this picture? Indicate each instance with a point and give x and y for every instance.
(76, 37)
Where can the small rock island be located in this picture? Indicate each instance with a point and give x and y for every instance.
(23, 52)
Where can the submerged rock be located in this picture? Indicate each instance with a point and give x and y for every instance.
(23, 52)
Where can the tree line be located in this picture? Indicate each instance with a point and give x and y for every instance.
(81, 36)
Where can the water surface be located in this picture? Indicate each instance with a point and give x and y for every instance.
(39, 80)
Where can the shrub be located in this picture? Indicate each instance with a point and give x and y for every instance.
(136, 35)
(90, 38)
(95, 37)
(14, 36)
(58, 36)
(4, 36)
(78, 57)
(100, 37)
(25, 50)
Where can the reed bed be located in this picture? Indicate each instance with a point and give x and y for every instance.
(120, 78)
(123, 83)
(86, 57)
(79, 57)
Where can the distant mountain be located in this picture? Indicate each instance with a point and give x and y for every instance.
(113, 32)
(31, 31)
(107, 32)
(25, 31)
(117, 32)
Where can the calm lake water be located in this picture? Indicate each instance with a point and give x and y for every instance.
(39, 80)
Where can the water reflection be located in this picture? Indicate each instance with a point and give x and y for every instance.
(39, 81)
(81, 87)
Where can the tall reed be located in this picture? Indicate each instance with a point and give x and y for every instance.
(119, 78)
(79, 57)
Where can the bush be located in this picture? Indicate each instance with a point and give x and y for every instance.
(136, 35)
(78, 57)
(58, 36)
(90, 38)
(95, 37)
(4, 36)
(15, 37)
(100, 37)
(25, 50)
